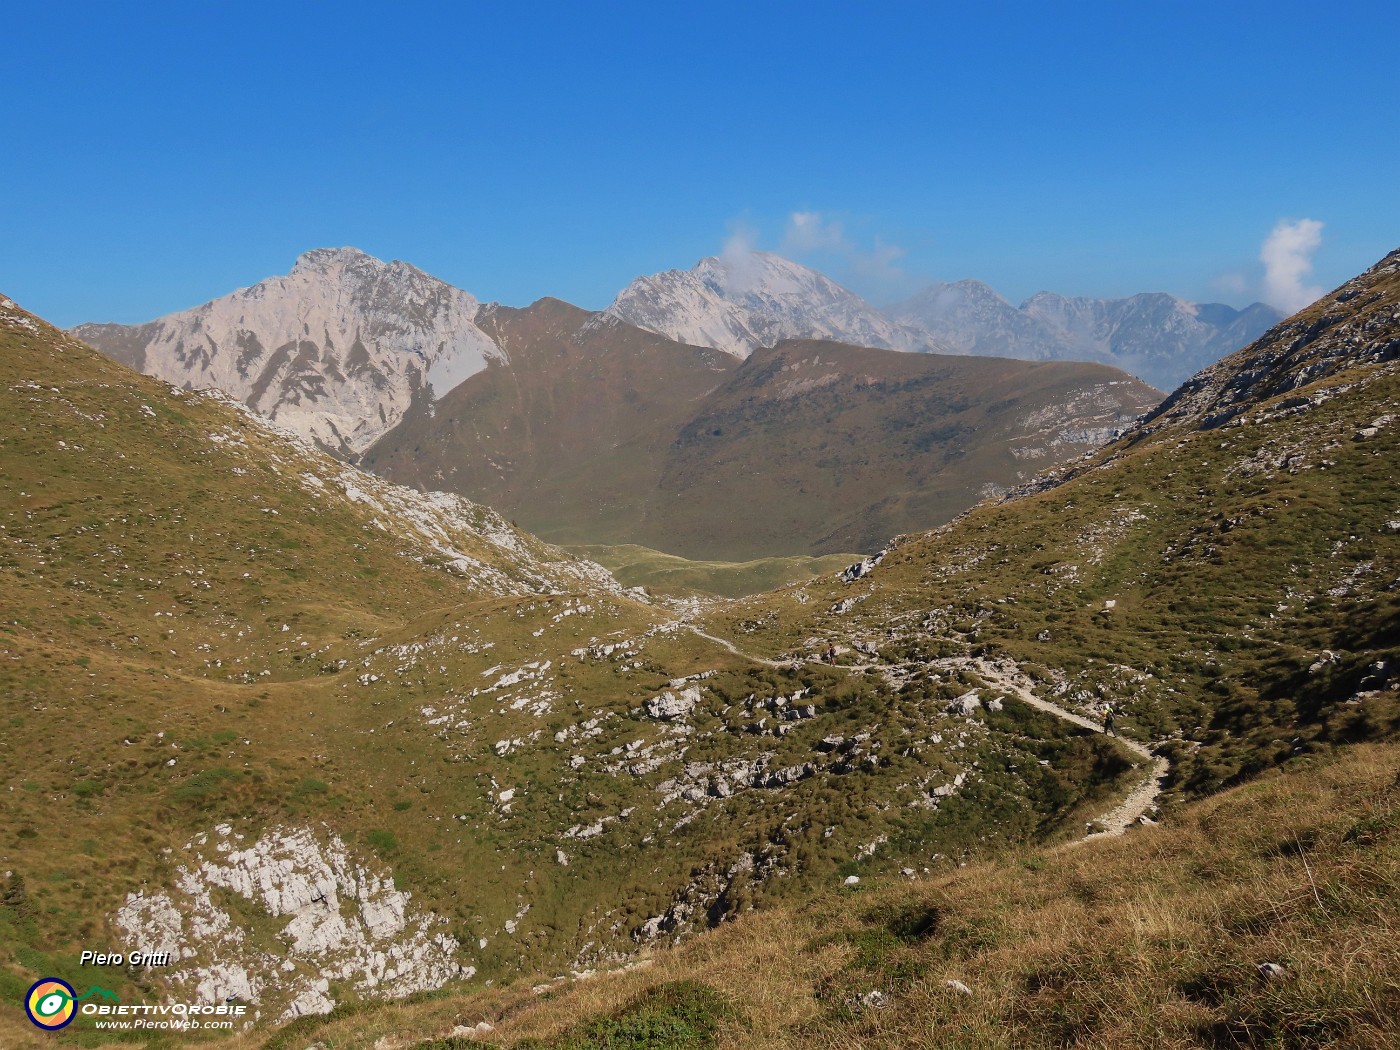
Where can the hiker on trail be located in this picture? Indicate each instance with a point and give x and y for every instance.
(1108, 720)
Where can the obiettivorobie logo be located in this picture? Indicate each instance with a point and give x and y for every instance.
(52, 1003)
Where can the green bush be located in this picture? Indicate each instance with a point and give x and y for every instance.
(384, 841)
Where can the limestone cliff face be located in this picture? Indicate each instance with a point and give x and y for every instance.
(337, 350)
(322, 915)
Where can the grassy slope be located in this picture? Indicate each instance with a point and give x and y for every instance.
(570, 436)
(838, 448)
(1237, 558)
(1254, 574)
(123, 733)
(1154, 939)
(176, 611)
(669, 574)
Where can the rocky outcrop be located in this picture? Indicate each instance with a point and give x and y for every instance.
(671, 705)
(329, 916)
(862, 568)
(1357, 324)
(337, 350)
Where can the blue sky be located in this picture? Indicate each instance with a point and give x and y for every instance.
(158, 155)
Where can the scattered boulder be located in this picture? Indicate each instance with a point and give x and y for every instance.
(965, 704)
(671, 705)
(957, 986)
(1327, 657)
(476, 1031)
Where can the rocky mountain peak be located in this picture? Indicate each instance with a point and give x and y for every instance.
(336, 350)
(741, 301)
(326, 260)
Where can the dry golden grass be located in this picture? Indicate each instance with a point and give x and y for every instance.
(1151, 940)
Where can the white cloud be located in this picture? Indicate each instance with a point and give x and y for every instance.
(808, 231)
(1287, 258)
(741, 269)
(812, 233)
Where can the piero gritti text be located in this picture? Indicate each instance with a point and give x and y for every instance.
(136, 959)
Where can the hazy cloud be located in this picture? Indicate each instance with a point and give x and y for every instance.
(808, 231)
(812, 233)
(742, 271)
(1287, 258)
(1230, 285)
(879, 263)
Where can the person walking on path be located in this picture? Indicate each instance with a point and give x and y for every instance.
(1108, 721)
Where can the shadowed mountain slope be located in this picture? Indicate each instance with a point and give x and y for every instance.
(590, 430)
(568, 432)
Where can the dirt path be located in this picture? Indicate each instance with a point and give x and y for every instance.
(1008, 677)
(725, 643)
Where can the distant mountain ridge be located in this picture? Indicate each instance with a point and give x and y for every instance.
(336, 350)
(741, 302)
(592, 429)
(1155, 336)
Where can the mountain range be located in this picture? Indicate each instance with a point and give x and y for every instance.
(741, 301)
(594, 431)
(589, 429)
(1157, 337)
(333, 742)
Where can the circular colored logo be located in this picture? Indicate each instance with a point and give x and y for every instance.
(49, 1003)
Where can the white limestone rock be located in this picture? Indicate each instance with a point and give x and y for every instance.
(331, 913)
(671, 705)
